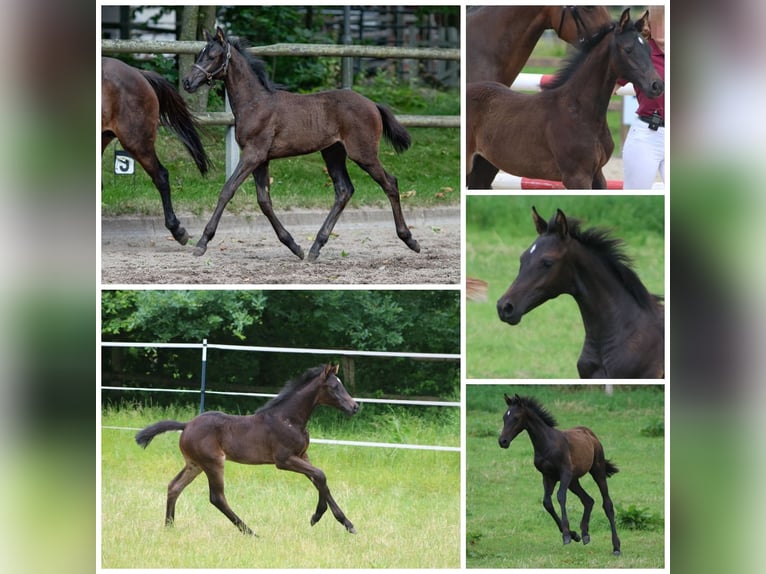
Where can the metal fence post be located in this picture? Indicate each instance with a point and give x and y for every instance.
(202, 378)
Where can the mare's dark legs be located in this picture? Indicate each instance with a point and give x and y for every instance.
(301, 465)
(244, 168)
(587, 503)
(176, 486)
(608, 509)
(147, 158)
(335, 159)
(563, 522)
(261, 176)
(390, 185)
(482, 174)
(218, 499)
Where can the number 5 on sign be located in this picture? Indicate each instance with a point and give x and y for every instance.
(124, 164)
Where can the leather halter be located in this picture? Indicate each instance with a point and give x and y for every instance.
(221, 69)
(582, 29)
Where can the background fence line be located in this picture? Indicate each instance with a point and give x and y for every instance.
(350, 442)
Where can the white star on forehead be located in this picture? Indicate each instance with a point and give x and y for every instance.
(641, 40)
(532, 249)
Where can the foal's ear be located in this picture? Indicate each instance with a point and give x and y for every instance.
(330, 370)
(561, 224)
(624, 19)
(540, 224)
(641, 23)
(219, 35)
(206, 35)
(507, 399)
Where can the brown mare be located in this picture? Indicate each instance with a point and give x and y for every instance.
(499, 39)
(560, 133)
(275, 434)
(562, 456)
(134, 103)
(272, 124)
(624, 323)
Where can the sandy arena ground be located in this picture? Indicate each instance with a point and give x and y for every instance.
(245, 251)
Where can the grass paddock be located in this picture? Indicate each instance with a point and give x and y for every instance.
(506, 525)
(404, 504)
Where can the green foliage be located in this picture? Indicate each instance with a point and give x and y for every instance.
(414, 321)
(163, 316)
(263, 25)
(637, 517)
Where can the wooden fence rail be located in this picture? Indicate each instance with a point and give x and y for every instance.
(329, 50)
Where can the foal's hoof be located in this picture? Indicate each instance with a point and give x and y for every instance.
(199, 251)
(575, 536)
(617, 553)
(567, 540)
(351, 529)
(585, 538)
(413, 244)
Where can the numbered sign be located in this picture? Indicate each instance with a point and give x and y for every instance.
(124, 164)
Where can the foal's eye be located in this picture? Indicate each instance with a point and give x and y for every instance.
(547, 263)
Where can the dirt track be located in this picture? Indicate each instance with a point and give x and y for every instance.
(363, 250)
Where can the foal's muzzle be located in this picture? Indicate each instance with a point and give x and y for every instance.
(504, 442)
(505, 310)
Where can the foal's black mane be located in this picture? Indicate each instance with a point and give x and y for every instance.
(611, 251)
(534, 405)
(573, 62)
(257, 66)
(292, 386)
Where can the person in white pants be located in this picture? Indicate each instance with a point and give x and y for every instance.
(643, 153)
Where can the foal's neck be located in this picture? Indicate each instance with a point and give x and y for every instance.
(604, 301)
(540, 433)
(242, 84)
(597, 65)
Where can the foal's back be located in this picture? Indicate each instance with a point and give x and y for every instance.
(239, 438)
(584, 449)
(310, 122)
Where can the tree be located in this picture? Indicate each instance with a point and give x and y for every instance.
(194, 20)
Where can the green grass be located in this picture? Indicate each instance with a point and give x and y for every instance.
(506, 525)
(404, 504)
(428, 174)
(548, 341)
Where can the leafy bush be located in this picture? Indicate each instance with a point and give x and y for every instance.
(637, 518)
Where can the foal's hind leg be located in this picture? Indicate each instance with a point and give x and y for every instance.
(390, 186)
(335, 159)
(261, 176)
(587, 503)
(218, 499)
(176, 486)
(608, 510)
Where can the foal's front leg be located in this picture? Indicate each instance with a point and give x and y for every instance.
(245, 166)
(301, 465)
(562, 523)
(261, 176)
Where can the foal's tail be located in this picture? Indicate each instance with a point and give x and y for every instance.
(145, 436)
(394, 132)
(175, 115)
(611, 468)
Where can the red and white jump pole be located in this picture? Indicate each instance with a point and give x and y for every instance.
(534, 82)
